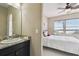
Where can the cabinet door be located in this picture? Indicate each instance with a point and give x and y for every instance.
(10, 54)
(27, 48)
(20, 52)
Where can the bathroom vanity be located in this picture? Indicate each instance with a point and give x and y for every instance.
(20, 48)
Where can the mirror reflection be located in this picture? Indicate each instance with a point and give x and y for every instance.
(10, 20)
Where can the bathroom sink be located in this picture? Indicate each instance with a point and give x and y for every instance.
(14, 40)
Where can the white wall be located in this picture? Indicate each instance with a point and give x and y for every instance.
(44, 25)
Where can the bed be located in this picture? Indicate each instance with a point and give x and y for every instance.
(64, 43)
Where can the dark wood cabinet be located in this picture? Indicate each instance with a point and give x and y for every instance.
(20, 52)
(21, 49)
(9, 54)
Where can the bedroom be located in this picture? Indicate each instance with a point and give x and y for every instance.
(60, 28)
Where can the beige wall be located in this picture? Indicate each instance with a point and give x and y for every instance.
(16, 17)
(31, 25)
(3, 21)
(62, 17)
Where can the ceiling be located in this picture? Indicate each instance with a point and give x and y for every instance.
(51, 9)
(4, 5)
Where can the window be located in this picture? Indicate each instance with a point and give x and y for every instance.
(67, 26)
(72, 26)
(58, 27)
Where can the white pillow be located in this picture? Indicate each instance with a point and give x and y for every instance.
(76, 36)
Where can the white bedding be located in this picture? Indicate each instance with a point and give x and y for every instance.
(64, 43)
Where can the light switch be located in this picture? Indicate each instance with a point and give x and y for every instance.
(36, 31)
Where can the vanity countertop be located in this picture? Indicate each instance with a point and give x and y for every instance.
(4, 45)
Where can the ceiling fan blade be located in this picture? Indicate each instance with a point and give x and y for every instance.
(72, 4)
(62, 11)
(76, 7)
(61, 8)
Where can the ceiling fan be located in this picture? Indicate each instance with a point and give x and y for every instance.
(69, 6)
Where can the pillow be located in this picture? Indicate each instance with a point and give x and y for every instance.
(76, 36)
